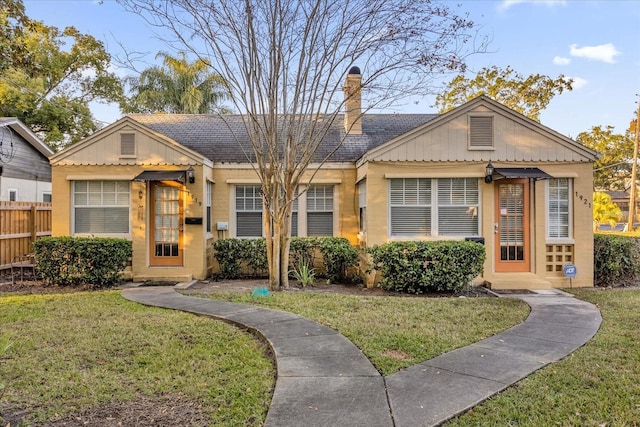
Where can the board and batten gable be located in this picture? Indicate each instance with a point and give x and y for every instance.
(107, 147)
(516, 138)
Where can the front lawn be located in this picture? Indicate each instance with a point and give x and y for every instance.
(81, 357)
(86, 358)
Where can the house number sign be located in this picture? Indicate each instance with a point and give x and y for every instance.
(584, 200)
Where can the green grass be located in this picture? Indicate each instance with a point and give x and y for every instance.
(598, 385)
(396, 332)
(75, 351)
(80, 350)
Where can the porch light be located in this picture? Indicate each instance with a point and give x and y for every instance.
(191, 176)
(488, 173)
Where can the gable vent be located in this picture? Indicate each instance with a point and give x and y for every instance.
(481, 131)
(127, 144)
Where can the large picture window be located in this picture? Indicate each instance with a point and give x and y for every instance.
(558, 217)
(434, 207)
(101, 207)
(248, 211)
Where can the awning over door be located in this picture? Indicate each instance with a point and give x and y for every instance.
(519, 173)
(178, 176)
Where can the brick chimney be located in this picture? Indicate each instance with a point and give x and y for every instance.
(353, 102)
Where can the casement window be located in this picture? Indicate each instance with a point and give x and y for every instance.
(46, 197)
(420, 207)
(208, 204)
(320, 210)
(127, 145)
(248, 211)
(101, 207)
(559, 206)
(481, 132)
(13, 195)
(362, 206)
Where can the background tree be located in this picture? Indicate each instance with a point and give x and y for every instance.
(285, 63)
(612, 170)
(604, 210)
(528, 96)
(48, 77)
(178, 86)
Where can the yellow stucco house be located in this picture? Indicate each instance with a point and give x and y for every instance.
(172, 184)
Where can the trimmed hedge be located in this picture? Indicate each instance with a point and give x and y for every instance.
(428, 266)
(616, 260)
(248, 257)
(70, 261)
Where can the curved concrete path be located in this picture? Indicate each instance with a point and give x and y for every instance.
(324, 380)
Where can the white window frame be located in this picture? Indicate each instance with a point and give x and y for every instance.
(256, 189)
(208, 208)
(47, 193)
(300, 211)
(426, 199)
(362, 207)
(91, 204)
(560, 239)
(13, 194)
(322, 204)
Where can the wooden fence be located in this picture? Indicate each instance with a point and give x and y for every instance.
(21, 223)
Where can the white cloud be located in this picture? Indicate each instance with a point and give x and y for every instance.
(578, 82)
(506, 4)
(604, 52)
(561, 60)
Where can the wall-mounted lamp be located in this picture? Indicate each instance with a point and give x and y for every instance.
(488, 173)
(191, 175)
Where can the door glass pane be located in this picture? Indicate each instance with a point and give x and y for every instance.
(167, 221)
(511, 222)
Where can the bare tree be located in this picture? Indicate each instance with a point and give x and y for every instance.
(285, 63)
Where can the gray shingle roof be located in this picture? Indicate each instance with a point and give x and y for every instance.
(219, 138)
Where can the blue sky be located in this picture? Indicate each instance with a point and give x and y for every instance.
(595, 42)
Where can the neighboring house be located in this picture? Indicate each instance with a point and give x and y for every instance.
(25, 172)
(174, 183)
(621, 198)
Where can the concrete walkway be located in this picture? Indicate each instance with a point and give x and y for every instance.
(325, 380)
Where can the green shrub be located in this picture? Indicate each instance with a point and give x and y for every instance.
(616, 260)
(419, 267)
(338, 255)
(228, 253)
(245, 257)
(70, 261)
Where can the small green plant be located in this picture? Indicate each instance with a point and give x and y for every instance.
(304, 274)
